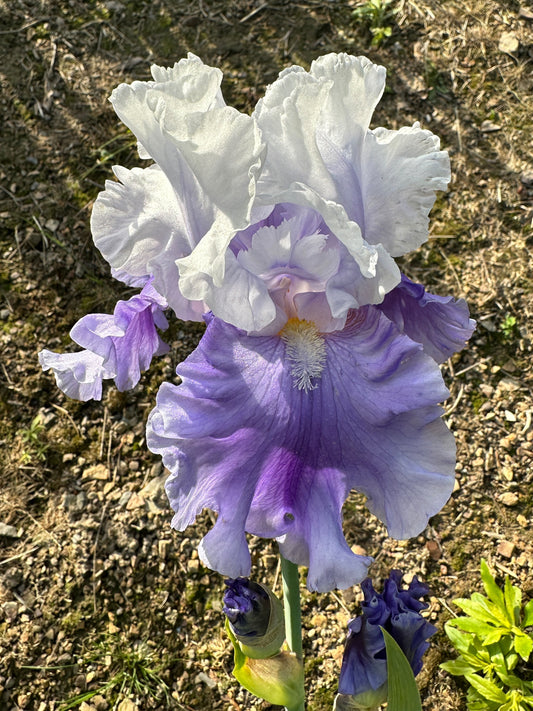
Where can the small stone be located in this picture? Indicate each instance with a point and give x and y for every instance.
(4, 314)
(11, 610)
(193, 565)
(506, 549)
(135, 502)
(508, 43)
(526, 13)
(490, 127)
(434, 550)
(522, 521)
(509, 416)
(97, 471)
(100, 703)
(509, 498)
(126, 496)
(162, 548)
(202, 678)
(319, 621)
(508, 473)
(8, 531)
(127, 705)
(51, 225)
(526, 178)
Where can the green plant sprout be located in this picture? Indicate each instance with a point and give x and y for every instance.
(33, 438)
(377, 14)
(134, 673)
(509, 326)
(494, 647)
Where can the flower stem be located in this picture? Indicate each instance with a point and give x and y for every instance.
(293, 612)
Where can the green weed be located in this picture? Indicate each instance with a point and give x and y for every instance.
(494, 647)
(377, 14)
(133, 672)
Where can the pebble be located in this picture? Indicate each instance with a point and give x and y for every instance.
(97, 471)
(10, 610)
(506, 549)
(126, 496)
(127, 705)
(202, 678)
(8, 531)
(508, 498)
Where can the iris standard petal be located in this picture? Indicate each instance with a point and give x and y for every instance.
(440, 323)
(210, 154)
(141, 227)
(278, 459)
(400, 174)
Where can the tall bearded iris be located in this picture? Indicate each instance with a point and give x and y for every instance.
(317, 373)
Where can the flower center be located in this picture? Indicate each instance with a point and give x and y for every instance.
(306, 351)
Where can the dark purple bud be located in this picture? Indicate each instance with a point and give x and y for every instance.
(397, 610)
(247, 606)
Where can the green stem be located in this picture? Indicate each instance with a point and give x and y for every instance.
(293, 611)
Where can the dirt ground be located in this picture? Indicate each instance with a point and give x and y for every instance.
(97, 593)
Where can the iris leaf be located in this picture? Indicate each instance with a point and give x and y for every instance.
(403, 691)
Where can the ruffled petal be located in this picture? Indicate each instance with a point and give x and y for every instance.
(401, 171)
(128, 340)
(205, 149)
(78, 375)
(278, 461)
(141, 227)
(313, 160)
(118, 346)
(440, 323)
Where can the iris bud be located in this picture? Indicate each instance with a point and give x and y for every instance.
(256, 628)
(363, 678)
(255, 616)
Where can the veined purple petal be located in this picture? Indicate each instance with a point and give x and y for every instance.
(117, 346)
(239, 437)
(440, 323)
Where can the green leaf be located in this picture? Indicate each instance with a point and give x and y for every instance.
(458, 667)
(513, 600)
(491, 588)
(494, 636)
(403, 691)
(462, 641)
(523, 644)
(482, 629)
(528, 614)
(480, 608)
(486, 688)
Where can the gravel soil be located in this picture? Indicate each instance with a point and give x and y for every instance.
(102, 605)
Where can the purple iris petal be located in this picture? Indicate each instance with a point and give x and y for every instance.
(397, 610)
(440, 323)
(117, 346)
(78, 375)
(278, 460)
(247, 607)
(364, 665)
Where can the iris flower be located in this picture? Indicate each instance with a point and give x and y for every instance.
(317, 372)
(363, 677)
